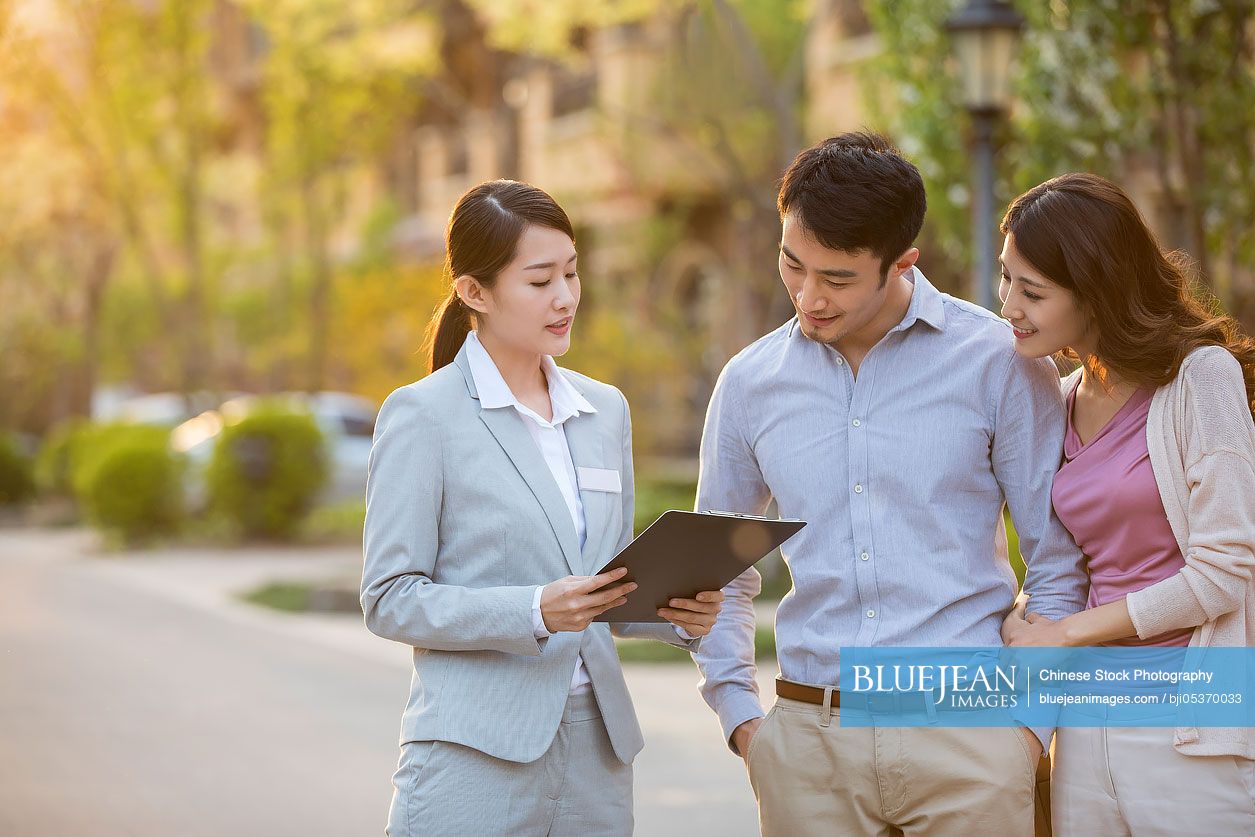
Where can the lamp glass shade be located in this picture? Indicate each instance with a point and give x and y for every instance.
(985, 57)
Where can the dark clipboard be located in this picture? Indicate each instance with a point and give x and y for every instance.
(683, 553)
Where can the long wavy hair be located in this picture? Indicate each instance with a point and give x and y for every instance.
(483, 235)
(1083, 233)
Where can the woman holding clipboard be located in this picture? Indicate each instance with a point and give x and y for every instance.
(497, 485)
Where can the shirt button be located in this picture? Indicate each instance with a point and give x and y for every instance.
(864, 556)
(840, 361)
(857, 423)
(858, 489)
(871, 614)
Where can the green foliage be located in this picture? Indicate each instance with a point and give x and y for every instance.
(133, 489)
(1013, 549)
(335, 524)
(730, 88)
(331, 596)
(378, 321)
(638, 356)
(70, 454)
(17, 480)
(913, 94)
(54, 462)
(91, 444)
(547, 28)
(291, 597)
(266, 471)
(337, 76)
(652, 651)
(653, 497)
(1107, 86)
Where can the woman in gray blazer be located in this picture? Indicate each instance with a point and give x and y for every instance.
(497, 485)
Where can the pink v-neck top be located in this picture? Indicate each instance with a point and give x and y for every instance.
(1105, 494)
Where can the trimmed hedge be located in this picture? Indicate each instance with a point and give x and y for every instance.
(72, 451)
(266, 471)
(134, 489)
(54, 464)
(17, 480)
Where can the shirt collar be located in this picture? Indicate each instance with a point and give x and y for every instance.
(495, 393)
(927, 303)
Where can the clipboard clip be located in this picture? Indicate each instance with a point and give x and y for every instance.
(752, 516)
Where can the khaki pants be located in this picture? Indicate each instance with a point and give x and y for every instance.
(816, 779)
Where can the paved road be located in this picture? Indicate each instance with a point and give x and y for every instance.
(137, 699)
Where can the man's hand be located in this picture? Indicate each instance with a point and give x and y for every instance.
(696, 616)
(569, 604)
(744, 734)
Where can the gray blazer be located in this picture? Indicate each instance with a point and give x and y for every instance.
(463, 520)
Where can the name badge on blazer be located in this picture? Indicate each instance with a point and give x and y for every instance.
(598, 479)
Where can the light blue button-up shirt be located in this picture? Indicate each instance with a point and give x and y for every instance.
(902, 474)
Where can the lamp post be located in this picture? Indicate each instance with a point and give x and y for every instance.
(986, 34)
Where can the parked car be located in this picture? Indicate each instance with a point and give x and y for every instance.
(122, 403)
(347, 423)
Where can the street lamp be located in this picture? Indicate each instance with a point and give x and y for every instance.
(986, 34)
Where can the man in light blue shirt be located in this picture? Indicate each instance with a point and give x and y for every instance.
(897, 421)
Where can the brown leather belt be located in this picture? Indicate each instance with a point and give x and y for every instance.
(807, 694)
(901, 702)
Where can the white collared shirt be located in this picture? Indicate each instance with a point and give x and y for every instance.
(550, 438)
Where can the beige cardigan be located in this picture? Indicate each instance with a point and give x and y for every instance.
(1202, 449)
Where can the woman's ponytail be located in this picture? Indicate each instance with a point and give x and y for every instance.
(446, 332)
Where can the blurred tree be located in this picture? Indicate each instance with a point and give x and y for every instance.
(731, 91)
(721, 121)
(380, 312)
(378, 323)
(1110, 86)
(57, 255)
(545, 27)
(118, 91)
(178, 181)
(337, 81)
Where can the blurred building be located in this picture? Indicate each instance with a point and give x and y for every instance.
(574, 128)
(664, 235)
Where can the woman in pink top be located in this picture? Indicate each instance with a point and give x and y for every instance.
(1157, 486)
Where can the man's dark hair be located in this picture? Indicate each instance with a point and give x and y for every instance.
(856, 192)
